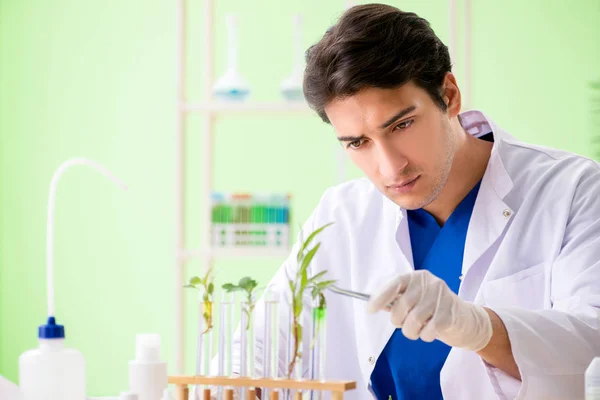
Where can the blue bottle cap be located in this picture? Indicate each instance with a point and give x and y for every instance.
(51, 330)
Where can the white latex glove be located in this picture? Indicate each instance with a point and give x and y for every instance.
(425, 307)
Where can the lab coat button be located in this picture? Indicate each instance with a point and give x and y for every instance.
(371, 360)
(506, 213)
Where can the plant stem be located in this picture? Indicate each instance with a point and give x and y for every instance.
(296, 346)
(207, 314)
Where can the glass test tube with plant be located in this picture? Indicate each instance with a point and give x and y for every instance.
(299, 284)
(249, 287)
(206, 287)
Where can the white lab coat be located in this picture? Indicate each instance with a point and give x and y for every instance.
(532, 255)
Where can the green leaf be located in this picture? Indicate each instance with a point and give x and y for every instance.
(316, 277)
(309, 257)
(248, 284)
(207, 276)
(312, 236)
(292, 287)
(325, 284)
(298, 304)
(303, 279)
(301, 241)
(189, 286)
(229, 287)
(244, 282)
(315, 292)
(194, 280)
(211, 288)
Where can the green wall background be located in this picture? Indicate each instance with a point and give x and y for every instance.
(94, 79)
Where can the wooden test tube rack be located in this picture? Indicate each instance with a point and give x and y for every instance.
(337, 388)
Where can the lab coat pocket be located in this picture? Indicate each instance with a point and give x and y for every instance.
(524, 289)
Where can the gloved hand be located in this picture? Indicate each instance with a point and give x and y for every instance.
(424, 307)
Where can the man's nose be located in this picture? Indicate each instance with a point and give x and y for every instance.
(391, 161)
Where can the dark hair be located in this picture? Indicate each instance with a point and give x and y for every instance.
(374, 45)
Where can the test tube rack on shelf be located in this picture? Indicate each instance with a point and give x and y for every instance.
(336, 388)
(241, 220)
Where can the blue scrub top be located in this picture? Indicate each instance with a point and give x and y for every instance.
(410, 369)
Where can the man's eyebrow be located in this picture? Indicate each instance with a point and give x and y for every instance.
(350, 138)
(396, 117)
(386, 124)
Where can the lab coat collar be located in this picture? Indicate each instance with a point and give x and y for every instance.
(476, 123)
(489, 211)
(491, 214)
(490, 217)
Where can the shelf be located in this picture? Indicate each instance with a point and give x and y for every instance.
(249, 107)
(236, 253)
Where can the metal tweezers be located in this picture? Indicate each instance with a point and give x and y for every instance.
(356, 295)
(349, 293)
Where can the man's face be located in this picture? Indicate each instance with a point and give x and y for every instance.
(399, 138)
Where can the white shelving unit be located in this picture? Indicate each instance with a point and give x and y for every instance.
(213, 110)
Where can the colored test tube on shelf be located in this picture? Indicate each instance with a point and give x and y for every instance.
(253, 219)
(280, 216)
(286, 220)
(280, 220)
(237, 219)
(262, 215)
(287, 213)
(272, 221)
(224, 217)
(254, 215)
(217, 227)
(246, 204)
(265, 218)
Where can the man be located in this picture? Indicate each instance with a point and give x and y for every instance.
(483, 252)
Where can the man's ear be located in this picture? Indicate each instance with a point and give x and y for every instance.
(451, 95)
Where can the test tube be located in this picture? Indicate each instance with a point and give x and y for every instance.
(321, 345)
(280, 215)
(237, 219)
(246, 343)
(252, 230)
(317, 351)
(231, 328)
(296, 373)
(204, 340)
(226, 332)
(289, 349)
(225, 337)
(271, 239)
(227, 218)
(271, 337)
(243, 342)
(199, 346)
(207, 349)
(286, 219)
(216, 220)
(249, 329)
(296, 353)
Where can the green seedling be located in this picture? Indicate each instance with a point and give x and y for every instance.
(247, 285)
(299, 284)
(206, 286)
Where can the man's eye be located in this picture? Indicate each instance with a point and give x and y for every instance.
(404, 124)
(356, 144)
